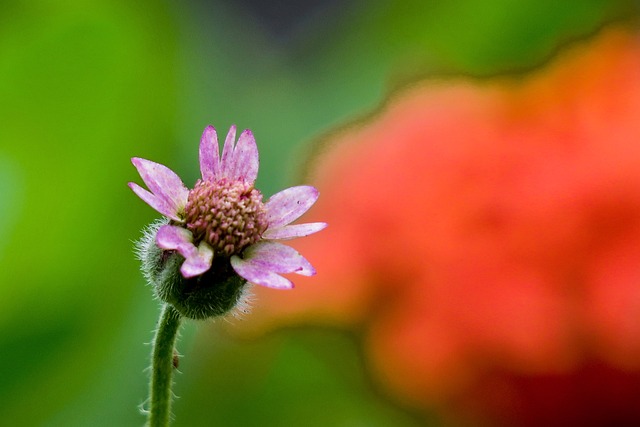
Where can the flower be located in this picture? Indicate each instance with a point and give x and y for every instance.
(223, 219)
(502, 283)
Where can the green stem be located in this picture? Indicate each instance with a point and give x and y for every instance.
(162, 366)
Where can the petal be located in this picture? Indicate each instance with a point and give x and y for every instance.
(155, 202)
(245, 158)
(209, 153)
(162, 182)
(293, 231)
(288, 205)
(175, 238)
(279, 258)
(199, 262)
(254, 274)
(196, 260)
(226, 163)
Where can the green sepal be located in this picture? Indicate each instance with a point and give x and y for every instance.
(214, 293)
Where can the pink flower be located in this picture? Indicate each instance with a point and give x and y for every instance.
(223, 218)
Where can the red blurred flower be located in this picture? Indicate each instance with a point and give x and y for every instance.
(485, 238)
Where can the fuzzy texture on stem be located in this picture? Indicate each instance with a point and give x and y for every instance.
(162, 367)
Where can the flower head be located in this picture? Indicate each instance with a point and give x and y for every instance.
(223, 220)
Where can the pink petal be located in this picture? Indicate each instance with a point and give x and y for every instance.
(155, 202)
(288, 205)
(176, 238)
(209, 154)
(245, 158)
(163, 183)
(226, 163)
(256, 275)
(278, 258)
(199, 261)
(293, 231)
(196, 260)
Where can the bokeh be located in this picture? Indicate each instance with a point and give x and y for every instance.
(517, 118)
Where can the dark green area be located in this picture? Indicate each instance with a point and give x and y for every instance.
(310, 377)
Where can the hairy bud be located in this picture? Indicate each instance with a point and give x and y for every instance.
(215, 293)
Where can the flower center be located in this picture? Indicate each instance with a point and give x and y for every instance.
(228, 215)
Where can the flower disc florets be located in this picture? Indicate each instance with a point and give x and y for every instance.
(228, 215)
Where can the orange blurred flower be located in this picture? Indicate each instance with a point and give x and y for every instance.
(485, 238)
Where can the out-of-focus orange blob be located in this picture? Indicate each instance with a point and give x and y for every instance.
(484, 236)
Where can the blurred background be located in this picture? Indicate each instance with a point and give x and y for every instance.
(86, 86)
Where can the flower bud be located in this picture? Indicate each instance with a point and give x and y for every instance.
(215, 293)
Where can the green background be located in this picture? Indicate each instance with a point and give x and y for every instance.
(84, 86)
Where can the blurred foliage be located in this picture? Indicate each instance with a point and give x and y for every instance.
(302, 376)
(86, 86)
(79, 94)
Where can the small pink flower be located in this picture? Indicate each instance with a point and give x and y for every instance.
(224, 218)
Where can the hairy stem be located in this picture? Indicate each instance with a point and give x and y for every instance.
(162, 367)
